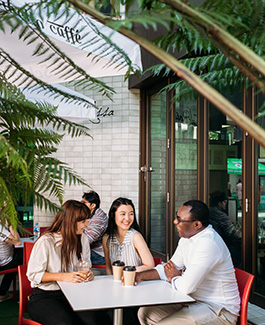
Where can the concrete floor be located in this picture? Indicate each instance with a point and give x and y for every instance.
(256, 315)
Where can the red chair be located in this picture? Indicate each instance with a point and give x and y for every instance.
(24, 292)
(98, 266)
(157, 260)
(14, 270)
(27, 248)
(43, 229)
(244, 281)
(29, 232)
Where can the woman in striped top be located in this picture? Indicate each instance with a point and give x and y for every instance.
(123, 240)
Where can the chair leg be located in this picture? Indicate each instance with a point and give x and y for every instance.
(14, 286)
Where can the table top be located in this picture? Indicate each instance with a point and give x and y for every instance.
(103, 292)
(26, 239)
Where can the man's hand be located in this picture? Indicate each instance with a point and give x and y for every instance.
(171, 271)
(138, 278)
(146, 275)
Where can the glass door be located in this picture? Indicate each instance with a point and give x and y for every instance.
(158, 158)
(185, 154)
(225, 178)
(260, 203)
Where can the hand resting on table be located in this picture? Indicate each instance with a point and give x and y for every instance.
(76, 277)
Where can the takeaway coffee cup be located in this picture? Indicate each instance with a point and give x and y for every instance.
(117, 268)
(129, 275)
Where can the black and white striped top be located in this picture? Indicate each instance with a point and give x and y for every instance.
(6, 249)
(125, 251)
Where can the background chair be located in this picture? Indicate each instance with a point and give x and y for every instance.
(29, 232)
(98, 266)
(24, 291)
(43, 229)
(157, 260)
(14, 270)
(27, 248)
(244, 281)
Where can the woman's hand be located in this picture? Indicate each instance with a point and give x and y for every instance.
(76, 277)
(90, 276)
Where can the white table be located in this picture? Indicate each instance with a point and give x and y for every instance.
(103, 293)
(26, 239)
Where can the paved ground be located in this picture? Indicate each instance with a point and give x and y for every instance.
(256, 315)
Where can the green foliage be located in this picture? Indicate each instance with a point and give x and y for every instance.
(26, 165)
(204, 55)
(29, 134)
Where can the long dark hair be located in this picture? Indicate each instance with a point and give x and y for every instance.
(112, 227)
(65, 223)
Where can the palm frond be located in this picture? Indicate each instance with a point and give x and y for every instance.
(46, 50)
(7, 210)
(11, 156)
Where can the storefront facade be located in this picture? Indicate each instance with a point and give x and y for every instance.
(190, 150)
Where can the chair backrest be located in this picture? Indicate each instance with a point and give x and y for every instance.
(14, 270)
(27, 248)
(157, 260)
(244, 281)
(43, 229)
(98, 266)
(27, 234)
(24, 291)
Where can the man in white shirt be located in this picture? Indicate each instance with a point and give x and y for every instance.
(8, 259)
(201, 267)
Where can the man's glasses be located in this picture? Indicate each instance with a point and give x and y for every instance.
(180, 220)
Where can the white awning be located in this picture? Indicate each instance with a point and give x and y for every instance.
(74, 41)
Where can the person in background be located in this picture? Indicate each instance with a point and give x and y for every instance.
(239, 192)
(224, 226)
(200, 267)
(123, 241)
(53, 258)
(9, 258)
(97, 226)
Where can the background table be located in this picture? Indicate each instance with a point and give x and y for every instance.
(26, 239)
(103, 293)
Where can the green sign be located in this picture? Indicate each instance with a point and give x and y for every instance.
(234, 166)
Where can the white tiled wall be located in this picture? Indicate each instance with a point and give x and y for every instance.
(109, 161)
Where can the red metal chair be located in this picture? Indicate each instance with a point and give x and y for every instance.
(29, 232)
(43, 229)
(27, 248)
(14, 270)
(157, 260)
(24, 292)
(244, 281)
(98, 266)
